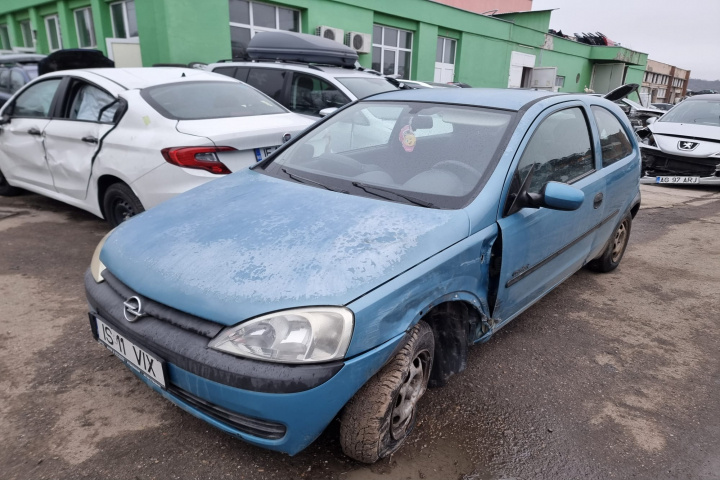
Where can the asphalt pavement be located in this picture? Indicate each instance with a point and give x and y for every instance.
(610, 376)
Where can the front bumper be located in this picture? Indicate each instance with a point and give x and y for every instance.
(280, 407)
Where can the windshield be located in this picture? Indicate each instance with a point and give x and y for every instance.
(362, 87)
(434, 155)
(701, 112)
(204, 100)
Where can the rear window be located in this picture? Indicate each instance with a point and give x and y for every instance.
(203, 100)
(362, 87)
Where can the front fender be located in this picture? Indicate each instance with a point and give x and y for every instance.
(458, 273)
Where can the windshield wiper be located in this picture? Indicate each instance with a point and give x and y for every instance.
(410, 199)
(300, 179)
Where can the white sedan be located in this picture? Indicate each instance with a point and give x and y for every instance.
(115, 142)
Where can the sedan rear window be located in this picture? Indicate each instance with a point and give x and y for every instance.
(203, 100)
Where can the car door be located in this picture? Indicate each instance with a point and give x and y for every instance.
(271, 81)
(73, 139)
(541, 246)
(22, 152)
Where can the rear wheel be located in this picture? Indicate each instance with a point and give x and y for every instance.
(7, 190)
(120, 203)
(378, 419)
(610, 258)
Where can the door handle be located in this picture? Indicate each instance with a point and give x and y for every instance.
(89, 140)
(35, 131)
(598, 200)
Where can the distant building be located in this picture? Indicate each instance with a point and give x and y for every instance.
(665, 83)
(413, 39)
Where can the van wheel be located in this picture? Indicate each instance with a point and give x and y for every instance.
(7, 190)
(120, 203)
(610, 258)
(378, 419)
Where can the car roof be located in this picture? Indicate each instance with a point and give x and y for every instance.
(309, 67)
(704, 96)
(510, 98)
(135, 78)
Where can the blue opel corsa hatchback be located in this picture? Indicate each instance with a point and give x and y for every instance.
(356, 265)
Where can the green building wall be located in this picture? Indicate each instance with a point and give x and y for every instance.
(182, 31)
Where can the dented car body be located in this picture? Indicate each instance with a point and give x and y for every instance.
(278, 295)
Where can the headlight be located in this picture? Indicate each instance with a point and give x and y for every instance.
(96, 266)
(303, 335)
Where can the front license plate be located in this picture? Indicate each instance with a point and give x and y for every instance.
(149, 365)
(677, 179)
(262, 153)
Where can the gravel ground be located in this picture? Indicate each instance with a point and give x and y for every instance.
(609, 376)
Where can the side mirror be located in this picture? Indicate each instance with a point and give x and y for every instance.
(561, 196)
(327, 111)
(650, 120)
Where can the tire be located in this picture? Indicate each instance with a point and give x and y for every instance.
(7, 190)
(378, 419)
(120, 203)
(613, 253)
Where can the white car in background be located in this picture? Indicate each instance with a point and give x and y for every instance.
(683, 147)
(117, 141)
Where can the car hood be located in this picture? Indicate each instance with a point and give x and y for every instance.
(668, 135)
(249, 244)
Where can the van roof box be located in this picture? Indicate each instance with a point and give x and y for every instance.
(300, 47)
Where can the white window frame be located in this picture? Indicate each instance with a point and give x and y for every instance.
(87, 14)
(5, 36)
(27, 42)
(253, 29)
(396, 50)
(126, 23)
(57, 30)
(442, 57)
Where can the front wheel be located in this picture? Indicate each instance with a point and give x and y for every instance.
(378, 419)
(120, 203)
(613, 253)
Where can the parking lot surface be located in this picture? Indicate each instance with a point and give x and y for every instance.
(609, 376)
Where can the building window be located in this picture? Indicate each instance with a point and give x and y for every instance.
(392, 51)
(52, 27)
(559, 81)
(4, 38)
(27, 35)
(124, 20)
(248, 18)
(445, 50)
(84, 27)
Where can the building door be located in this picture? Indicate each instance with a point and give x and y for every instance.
(445, 60)
(607, 77)
(521, 65)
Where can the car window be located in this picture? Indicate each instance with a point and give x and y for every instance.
(362, 87)
(36, 100)
(17, 80)
(269, 81)
(559, 149)
(613, 139)
(310, 94)
(374, 149)
(242, 73)
(229, 71)
(89, 103)
(4, 79)
(204, 100)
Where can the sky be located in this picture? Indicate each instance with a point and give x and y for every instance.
(684, 33)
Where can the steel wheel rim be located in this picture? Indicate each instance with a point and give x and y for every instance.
(122, 210)
(619, 241)
(411, 390)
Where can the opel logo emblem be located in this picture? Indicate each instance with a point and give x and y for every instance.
(133, 309)
(682, 145)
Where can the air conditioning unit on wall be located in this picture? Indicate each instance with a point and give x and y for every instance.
(330, 33)
(359, 41)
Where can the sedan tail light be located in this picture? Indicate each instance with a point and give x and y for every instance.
(203, 158)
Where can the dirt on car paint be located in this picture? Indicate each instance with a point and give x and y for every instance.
(609, 376)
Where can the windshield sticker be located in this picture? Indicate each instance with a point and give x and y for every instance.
(407, 138)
